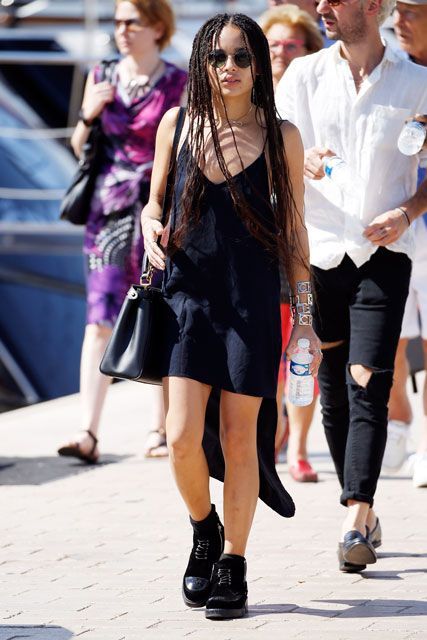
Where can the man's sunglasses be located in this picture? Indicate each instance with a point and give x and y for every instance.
(218, 58)
(334, 3)
(133, 24)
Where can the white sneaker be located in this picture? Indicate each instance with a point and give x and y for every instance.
(419, 477)
(395, 451)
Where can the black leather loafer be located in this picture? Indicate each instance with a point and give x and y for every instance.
(357, 549)
(208, 544)
(347, 567)
(229, 590)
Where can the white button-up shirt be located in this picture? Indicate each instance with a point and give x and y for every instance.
(318, 94)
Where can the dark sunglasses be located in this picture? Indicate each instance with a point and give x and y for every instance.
(218, 58)
(333, 3)
(133, 24)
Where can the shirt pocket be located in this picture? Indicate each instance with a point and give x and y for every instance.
(385, 124)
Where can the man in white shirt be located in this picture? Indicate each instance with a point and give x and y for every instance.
(351, 101)
(410, 21)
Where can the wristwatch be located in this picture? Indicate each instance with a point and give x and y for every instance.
(87, 123)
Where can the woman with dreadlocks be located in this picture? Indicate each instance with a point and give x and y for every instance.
(236, 214)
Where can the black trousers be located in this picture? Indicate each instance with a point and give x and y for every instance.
(362, 307)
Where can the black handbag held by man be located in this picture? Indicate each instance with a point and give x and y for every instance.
(133, 352)
(76, 201)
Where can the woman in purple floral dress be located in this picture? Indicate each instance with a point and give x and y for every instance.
(130, 102)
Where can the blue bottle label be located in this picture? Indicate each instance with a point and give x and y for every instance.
(299, 369)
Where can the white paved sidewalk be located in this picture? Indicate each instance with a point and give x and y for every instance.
(98, 552)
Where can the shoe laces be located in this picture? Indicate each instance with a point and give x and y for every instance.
(224, 576)
(202, 548)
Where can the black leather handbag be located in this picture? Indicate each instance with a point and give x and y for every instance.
(133, 351)
(76, 201)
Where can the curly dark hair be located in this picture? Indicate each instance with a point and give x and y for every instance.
(280, 239)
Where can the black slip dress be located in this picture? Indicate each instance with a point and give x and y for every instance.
(222, 325)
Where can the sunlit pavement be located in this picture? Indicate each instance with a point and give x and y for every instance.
(98, 552)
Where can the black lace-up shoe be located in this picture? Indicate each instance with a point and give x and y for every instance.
(208, 544)
(229, 590)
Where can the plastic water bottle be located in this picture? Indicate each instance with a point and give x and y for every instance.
(337, 170)
(301, 382)
(412, 138)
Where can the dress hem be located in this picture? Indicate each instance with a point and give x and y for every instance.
(220, 387)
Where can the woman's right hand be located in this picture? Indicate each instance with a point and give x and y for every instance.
(96, 97)
(152, 230)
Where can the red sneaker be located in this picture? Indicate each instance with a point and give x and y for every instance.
(302, 471)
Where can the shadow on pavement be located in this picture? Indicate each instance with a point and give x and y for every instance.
(34, 632)
(401, 554)
(26, 471)
(356, 609)
(392, 575)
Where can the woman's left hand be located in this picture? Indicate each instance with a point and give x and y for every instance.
(306, 331)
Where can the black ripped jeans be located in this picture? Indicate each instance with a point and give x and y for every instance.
(363, 307)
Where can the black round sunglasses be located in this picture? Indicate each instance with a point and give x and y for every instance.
(218, 58)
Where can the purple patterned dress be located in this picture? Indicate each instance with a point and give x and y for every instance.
(113, 245)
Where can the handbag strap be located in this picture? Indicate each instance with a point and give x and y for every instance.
(147, 269)
(172, 165)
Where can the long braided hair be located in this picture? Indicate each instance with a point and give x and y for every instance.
(279, 239)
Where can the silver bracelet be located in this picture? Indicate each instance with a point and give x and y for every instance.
(301, 311)
(304, 286)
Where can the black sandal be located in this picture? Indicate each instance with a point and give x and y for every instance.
(73, 450)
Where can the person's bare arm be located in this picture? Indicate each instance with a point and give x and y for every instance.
(96, 96)
(151, 214)
(301, 254)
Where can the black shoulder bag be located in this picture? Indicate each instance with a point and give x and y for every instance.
(76, 201)
(133, 352)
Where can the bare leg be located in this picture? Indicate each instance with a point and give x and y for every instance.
(281, 419)
(300, 419)
(93, 384)
(357, 514)
(422, 445)
(239, 416)
(399, 407)
(155, 443)
(185, 404)
(158, 408)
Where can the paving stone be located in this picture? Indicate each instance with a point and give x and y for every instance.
(98, 552)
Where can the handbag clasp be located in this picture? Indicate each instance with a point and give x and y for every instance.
(147, 277)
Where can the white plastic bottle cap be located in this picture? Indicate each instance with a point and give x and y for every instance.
(303, 343)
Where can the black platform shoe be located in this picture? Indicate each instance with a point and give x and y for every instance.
(229, 590)
(208, 544)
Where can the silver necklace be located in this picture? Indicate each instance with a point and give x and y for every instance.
(240, 122)
(136, 85)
